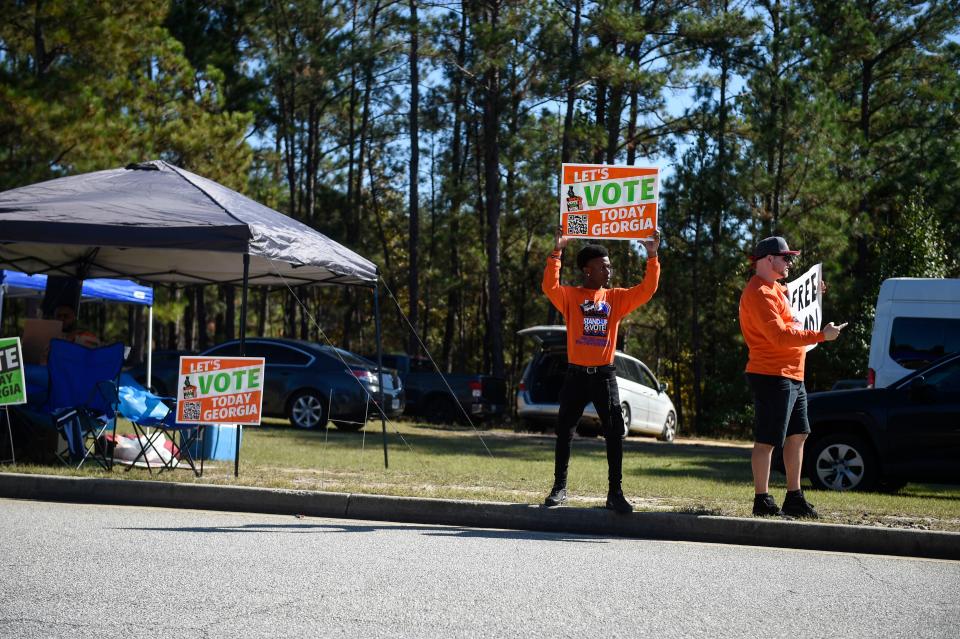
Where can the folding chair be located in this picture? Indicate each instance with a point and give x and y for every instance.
(148, 412)
(81, 400)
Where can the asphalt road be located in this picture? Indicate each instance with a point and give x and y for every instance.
(70, 570)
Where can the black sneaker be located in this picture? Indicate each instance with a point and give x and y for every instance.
(618, 503)
(764, 506)
(796, 505)
(557, 497)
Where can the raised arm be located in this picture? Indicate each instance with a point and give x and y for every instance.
(551, 272)
(640, 294)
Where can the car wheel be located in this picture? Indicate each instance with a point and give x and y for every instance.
(843, 461)
(350, 427)
(669, 428)
(441, 410)
(625, 409)
(307, 410)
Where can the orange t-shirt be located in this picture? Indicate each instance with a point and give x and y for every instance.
(593, 316)
(775, 338)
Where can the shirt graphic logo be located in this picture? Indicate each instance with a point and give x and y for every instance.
(595, 309)
(596, 318)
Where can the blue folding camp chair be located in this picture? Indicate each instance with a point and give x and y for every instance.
(158, 414)
(81, 399)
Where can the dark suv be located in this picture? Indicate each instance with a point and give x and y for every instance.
(884, 437)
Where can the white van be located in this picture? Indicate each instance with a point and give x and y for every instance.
(917, 322)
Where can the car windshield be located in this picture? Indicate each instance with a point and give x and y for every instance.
(936, 368)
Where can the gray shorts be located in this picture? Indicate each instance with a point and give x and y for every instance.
(780, 406)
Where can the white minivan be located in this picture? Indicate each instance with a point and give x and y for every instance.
(917, 322)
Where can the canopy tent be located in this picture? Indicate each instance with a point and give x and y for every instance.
(17, 285)
(155, 222)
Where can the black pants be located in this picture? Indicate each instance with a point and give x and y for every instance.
(579, 389)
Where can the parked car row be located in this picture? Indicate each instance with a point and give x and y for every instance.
(903, 426)
(307, 383)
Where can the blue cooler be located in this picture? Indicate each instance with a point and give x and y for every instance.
(219, 442)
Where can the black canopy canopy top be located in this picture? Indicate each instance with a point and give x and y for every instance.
(155, 222)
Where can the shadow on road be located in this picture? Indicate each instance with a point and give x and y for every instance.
(430, 531)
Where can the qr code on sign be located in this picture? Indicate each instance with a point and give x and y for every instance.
(191, 411)
(577, 224)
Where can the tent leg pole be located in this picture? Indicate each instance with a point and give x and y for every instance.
(243, 349)
(149, 346)
(383, 408)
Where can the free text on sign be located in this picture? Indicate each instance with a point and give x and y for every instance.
(805, 299)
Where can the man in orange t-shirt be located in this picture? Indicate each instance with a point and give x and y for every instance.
(778, 348)
(592, 313)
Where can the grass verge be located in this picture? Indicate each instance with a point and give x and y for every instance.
(707, 477)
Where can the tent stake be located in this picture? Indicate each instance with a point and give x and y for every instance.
(383, 408)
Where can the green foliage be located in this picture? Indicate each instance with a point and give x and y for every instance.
(834, 123)
(914, 245)
(93, 85)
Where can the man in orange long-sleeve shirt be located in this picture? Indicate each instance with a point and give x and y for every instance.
(592, 313)
(778, 348)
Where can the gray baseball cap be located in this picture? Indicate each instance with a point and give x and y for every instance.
(775, 245)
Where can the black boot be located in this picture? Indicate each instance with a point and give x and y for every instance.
(617, 502)
(796, 505)
(557, 497)
(764, 506)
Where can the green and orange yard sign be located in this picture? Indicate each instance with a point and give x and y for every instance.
(13, 386)
(604, 202)
(220, 390)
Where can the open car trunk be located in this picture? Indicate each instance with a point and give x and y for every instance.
(550, 365)
(546, 377)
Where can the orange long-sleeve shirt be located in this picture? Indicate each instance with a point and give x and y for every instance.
(775, 338)
(593, 316)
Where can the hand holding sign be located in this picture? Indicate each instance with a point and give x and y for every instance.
(832, 331)
(559, 241)
(652, 244)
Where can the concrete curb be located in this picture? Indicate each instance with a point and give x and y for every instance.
(594, 521)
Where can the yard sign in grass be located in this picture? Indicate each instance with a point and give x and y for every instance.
(13, 389)
(220, 390)
(599, 201)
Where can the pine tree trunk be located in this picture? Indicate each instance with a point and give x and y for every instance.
(454, 296)
(491, 157)
(414, 248)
